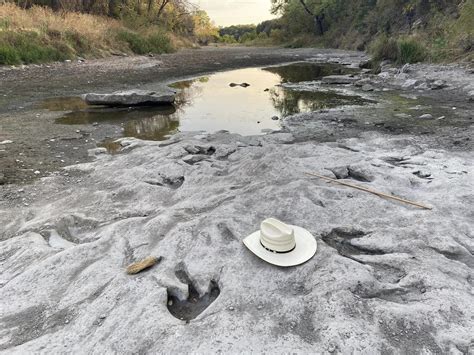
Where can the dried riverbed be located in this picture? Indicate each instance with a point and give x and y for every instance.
(386, 278)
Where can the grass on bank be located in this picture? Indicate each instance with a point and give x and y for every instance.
(39, 35)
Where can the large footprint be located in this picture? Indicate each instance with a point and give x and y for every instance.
(189, 308)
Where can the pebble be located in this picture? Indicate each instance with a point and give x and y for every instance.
(6, 142)
(426, 116)
(37, 172)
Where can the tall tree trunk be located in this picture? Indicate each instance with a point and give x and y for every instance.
(318, 19)
(319, 23)
(55, 5)
(162, 7)
(112, 8)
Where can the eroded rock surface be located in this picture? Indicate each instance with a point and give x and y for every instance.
(386, 277)
(161, 96)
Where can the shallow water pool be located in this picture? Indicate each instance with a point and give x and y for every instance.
(211, 104)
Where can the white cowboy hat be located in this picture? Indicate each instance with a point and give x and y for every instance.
(281, 244)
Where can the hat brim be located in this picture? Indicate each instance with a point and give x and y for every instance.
(305, 249)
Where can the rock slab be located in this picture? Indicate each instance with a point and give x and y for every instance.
(339, 79)
(161, 96)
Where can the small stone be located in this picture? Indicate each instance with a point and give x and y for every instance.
(37, 172)
(426, 116)
(259, 307)
(438, 84)
(275, 118)
(367, 87)
(95, 124)
(231, 308)
(6, 142)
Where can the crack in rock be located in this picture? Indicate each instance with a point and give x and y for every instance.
(340, 239)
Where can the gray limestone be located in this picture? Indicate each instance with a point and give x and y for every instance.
(132, 98)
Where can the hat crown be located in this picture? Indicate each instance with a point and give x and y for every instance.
(277, 236)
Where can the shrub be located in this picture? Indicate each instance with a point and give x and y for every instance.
(228, 39)
(155, 43)
(411, 51)
(8, 55)
(384, 48)
(277, 35)
(136, 43)
(28, 47)
(159, 43)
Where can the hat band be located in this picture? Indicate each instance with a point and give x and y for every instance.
(277, 252)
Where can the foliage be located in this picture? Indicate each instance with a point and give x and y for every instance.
(405, 50)
(28, 47)
(383, 48)
(239, 31)
(442, 28)
(204, 30)
(60, 30)
(410, 51)
(139, 44)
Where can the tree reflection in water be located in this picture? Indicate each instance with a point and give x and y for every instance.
(289, 102)
(154, 128)
(298, 72)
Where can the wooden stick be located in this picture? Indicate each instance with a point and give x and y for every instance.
(380, 194)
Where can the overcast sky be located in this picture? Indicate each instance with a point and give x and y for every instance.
(234, 12)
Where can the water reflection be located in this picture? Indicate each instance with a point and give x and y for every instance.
(298, 72)
(114, 115)
(210, 104)
(290, 102)
(152, 128)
